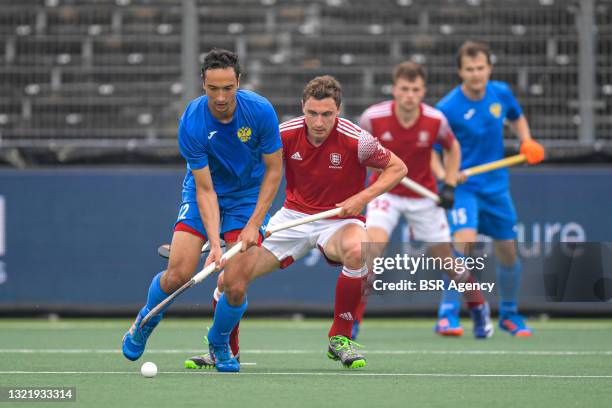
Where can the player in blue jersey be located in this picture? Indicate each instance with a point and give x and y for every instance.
(231, 142)
(476, 111)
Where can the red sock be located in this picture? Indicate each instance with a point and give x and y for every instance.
(233, 341)
(473, 298)
(348, 296)
(361, 309)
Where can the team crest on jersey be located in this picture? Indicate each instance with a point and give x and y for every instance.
(423, 138)
(244, 134)
(496, 110)
(336, 160)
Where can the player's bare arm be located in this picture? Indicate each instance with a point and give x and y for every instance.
(269, 187)
(437, 167)
(209, 211)
(452, 162)
(520, 127)
(439, 171)
(391, 175)
(529, 147)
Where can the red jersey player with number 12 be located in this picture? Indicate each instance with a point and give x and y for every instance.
(409, 128)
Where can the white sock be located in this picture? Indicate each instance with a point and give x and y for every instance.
(355, 273)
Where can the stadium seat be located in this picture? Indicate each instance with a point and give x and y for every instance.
(87, 55)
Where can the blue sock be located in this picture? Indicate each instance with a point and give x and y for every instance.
(226, 318)
(156, 295)
(509, 280)
(451, 298)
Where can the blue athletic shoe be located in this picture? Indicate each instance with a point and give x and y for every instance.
(225, 362)
(481, 315)
(135, 339)
(355, 330)
(448, 320)
(515, 324)
(449, 326)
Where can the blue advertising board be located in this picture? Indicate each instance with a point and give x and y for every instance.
(87, 237)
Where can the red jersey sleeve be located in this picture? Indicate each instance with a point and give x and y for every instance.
(445, 134)
(365, 122)
(371, 152)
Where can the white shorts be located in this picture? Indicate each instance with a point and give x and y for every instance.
(427, 221)
(292, 244)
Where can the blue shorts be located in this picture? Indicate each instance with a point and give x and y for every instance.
(235, 213)
(489, 214)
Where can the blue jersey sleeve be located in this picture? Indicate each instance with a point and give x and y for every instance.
(443, 104)
(268, 128)
(514, 109)
(191, 148)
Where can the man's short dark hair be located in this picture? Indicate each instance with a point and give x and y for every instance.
(322, 87)
(472, 49)
(410, 71)
(218, 58)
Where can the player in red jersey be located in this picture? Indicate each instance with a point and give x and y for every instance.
(325, 167)
(409, 128)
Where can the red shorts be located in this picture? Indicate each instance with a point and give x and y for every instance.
(229, 236)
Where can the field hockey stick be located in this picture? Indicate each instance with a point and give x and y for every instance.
(494, 165)
(472, 171)
(200, 276)
(419, 189)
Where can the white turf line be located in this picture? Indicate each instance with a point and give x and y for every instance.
(191, 372)
(382, 352)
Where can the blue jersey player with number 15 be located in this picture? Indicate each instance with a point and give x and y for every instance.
(231, 142)
(476, 111)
